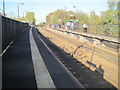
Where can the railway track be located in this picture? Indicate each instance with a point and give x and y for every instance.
(86, 77)
(64, 71)
(111, 57)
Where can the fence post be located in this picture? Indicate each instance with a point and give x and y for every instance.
(0, 34)
(0, 52)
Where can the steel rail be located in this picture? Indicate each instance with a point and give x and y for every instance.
(67, 71)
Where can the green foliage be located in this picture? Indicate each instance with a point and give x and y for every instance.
(109, 17)
(61, 16)
(94, 19)
(119, 13)
(113, 5)
(30, 18)
(83, 18)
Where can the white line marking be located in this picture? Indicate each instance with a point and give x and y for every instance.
(6, 48)
(42, 75)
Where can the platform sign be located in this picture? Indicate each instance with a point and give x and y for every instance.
(72, 17)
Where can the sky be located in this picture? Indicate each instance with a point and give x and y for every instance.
(41, 8)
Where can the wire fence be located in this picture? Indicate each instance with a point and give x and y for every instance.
(108, 29)
(100, 29)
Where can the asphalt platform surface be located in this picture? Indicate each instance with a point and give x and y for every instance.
(18, 68)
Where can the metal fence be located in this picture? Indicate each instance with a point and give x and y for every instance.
(10, 28)
(108, 29)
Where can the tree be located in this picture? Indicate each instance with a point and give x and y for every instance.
(30, 18)
(110, 16)
(113, 5)
(94, 19)
(83, 18)
(59, 16)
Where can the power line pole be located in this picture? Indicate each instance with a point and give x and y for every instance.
(64, 14)
(77, 12)
(18, 11)
(18, 8)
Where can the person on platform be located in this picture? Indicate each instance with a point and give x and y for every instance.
(63, 26)
(84, 27)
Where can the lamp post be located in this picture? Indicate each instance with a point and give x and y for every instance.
(77, 11)
(3, 8)
(64, 14)
(18, 8)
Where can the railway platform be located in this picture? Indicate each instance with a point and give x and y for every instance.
(29, 63)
